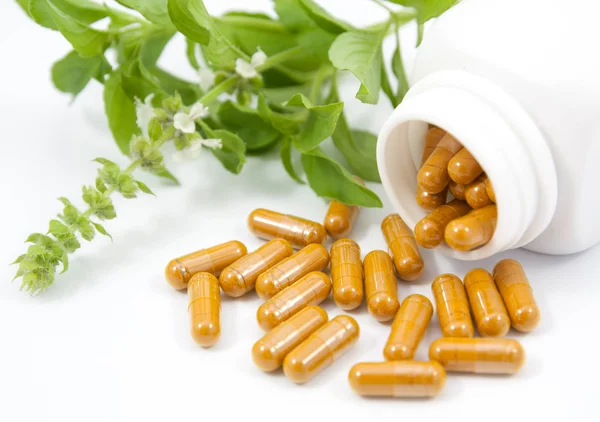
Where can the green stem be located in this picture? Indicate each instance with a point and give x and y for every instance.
(280, 58)
(224, 86)
(323, 73)
(254, 23)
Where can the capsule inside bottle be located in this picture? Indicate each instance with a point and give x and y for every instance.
(381, 286)
(408, 328)
(457, 190)
(433, 176)
(430, 201)
(476, 194)
(204, 309)
(463, 168)
(347, 274)
(298, 231)
(489, 312)
(429, 232)
(473, 230)
(490, 190)
(403, 247)
(452, 306)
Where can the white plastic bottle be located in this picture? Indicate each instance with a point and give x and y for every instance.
(517, 82)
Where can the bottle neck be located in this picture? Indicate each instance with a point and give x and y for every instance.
(496, 130)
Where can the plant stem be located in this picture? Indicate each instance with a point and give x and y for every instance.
(219, 89)
(250, 22)
(280, 58)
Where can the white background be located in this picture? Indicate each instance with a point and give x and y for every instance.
(109, 341)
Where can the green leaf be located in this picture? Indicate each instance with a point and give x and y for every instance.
(189, 91)
(24, 5)
(152, 47)
(284, 93)
(153, 10)
(316, 42)
(166, 174)
(288, 124)
(101, 229)
(126, 186)
(286, 158)
(57, 228)
(360, 53)
(232, 154)
(323, 19)
(102, 206)
(103, 161)
(19, 259)
(64, 259)
(330, 180)
(84, 11)
(70, 214)
(387, 88)
(120, 112)
(100, 185)
(144, 188)
(185, 22)
(427, 9)
(85, 228)
(293, 15)
(137, 81)
(399, 72)
(191, 49)
(320, 124)
(40, 239)
(248, 125)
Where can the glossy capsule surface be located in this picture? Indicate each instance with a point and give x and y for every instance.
(489, 188)
(452, 306)
(473, 230)
(432, 139)
(312, 258)
(211, 260)
(268, 352)
(321, 349)
(381, 286)
(204, 306)
(341, 217)
(408, 328)
(476, 194)
(488, 309)
(311, 289)
(433, 176)
(403, 247)
(517, 294)
(456, 190)
(430, 201)
(347, 274)
(240, 277)
(407, 378)
(429, 232)
(300, 232)
(478, 355)
(463, 168)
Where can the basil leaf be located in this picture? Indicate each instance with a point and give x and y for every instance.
(137, 81)
(189, 91)
(185, 23)
(232, 154)
(153, 46)
(288, 124)
(24, 5)
(399, 72)
(72, 73)
(190, 51)
(427, 9)
(248, 125)
(323, 19)
(153, 10)
(286, 158)
(84, 11)
(120, 112)
(282, 94)
(292, 14)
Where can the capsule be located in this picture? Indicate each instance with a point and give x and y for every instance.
(312, 258)
(463, 168)
(452, 306)
(403, 247)
(381, 286)
(489, 188)
(407, 378)
(347, 274)
(456, 190)
(433, 176)
(476, 194)
(321, 349)
(240, 277)
(268, 352)
(473, 230)
(430, 201)
(517, 295)
(341, 217)
(211, 260)
(311, 289)
(408, 328)
(299, 232)
(204, 309)
(432, 139)
(429, 232)
(489, 312)
(478, 355)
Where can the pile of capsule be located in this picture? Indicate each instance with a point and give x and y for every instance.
(303, 341)
(469, 220)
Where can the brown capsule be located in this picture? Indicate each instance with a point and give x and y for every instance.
(488, 309)
(204, 308)
(211, 260)
(268, 352)
(312, 258)
(403, 247)
(430, 201)
(489, 188)
(478, 355)
(240, 277)
(463, 168)
(433, 176)
(340, 217)
(429, 232)
(321, 349)
(473, 230)
(311, 289)
(381, 286)
(347, 274)
(432, 139)
(517, 295)
(407, 378)
(408, 328)
(452, 306)
(299, 232)
(456, 190)
(476, 194)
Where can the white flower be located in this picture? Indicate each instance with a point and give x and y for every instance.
(248, 70)
(195, 149)
(144, 112)
(185, 121)
(207, 78)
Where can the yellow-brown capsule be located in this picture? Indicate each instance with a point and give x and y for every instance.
(321, 349)
(432, 139)
(311, 289)
(430, 201)
(204, 308)
(240, 277)
(473, 230)
(433, 176)
(452, 306)
(312, 258)
(456, 190)
(347, 274)
(381, 286)
(476, 194)
(403, 247)
(407, 378)
(268, 352)
(488, 309)
(478, 355)
(340, 217)
(489, 188)
(299, 232)
(211, 260)
(517, 295)
(408, 328)
(429, 232)
(463, 168)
